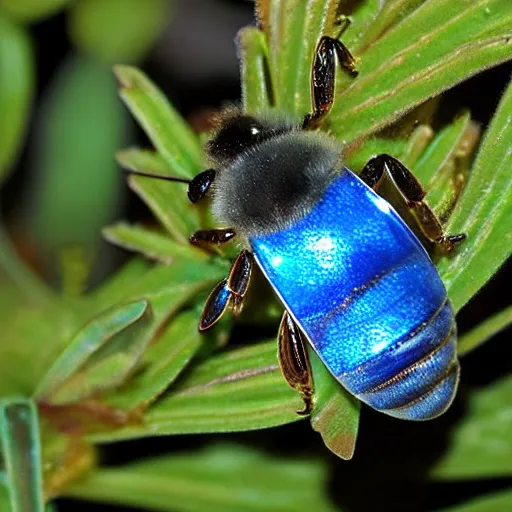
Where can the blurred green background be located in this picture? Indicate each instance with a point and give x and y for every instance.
(61, 123)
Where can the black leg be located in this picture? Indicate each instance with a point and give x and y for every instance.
(205, 237)
(216, 305)
(323, 82)
(238, 280)
(229, 293)
(200, 185)
(386, 167)
(294, 361)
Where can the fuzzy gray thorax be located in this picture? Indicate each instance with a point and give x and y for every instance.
(272, 184)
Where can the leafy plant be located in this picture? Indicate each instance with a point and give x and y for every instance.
(126, 361)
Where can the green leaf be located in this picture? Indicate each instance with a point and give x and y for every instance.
(486, 330)
(401, 70)
(484, 212)
(32, 10)
(33, 288)
(32, 337)
(152, 244)
(237, 390)
(16, 89)
(223, 478)
(441, 150)
(171, 136)
(293, 29)
(481, 443)
(117, 30)
(363, 16)
(168, 201)
(416, 145)
(371, 147)
(252, 49)
(170, 204)
(166, 287)
(443, 168)
(336, 413)
(380, 19)
(80, 126)
(21, 448)
(113, 290)
(137, 159)
(5, 503)
(162, 363)
(81, 352)
(497, 502)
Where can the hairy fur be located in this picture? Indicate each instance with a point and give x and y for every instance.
(275, 182)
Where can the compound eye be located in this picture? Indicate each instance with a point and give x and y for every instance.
(238, 134)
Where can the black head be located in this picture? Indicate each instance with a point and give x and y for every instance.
(240, 132)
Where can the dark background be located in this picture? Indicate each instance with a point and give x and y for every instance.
(195, 64)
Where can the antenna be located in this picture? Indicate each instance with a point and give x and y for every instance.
(158, 176)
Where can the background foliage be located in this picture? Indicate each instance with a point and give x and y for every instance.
(82, 366)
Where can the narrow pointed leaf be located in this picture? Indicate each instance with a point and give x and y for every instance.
(484, 212)
(169, 203)
(293, 29)
(442, 168)
(400, 71)
(495, 502)
(169, 133)
(21, 449)
(363, 16)
(113, 290)
(16, 85)
(486, 330)
(152, 244)
(441, 150)
(481, 443)
(87, 342)
(373, 146)
(162, 363)
(166, 287)
(256, 89)
(136, 159)
(416, 145)
(336, 413)
(386, 16)
(223, 478)
(237, 390)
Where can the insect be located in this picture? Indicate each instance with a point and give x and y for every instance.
(355, 281)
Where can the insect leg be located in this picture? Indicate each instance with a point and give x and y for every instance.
(386, 167)
(294, 361)
(238, 279)
(229, 293)
(200, 185)
(328, 51)
(211, 237)
(216, 305)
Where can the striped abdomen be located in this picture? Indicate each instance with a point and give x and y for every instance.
(422, 383)
(364, 291)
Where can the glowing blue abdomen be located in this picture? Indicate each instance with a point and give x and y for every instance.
(369, 299)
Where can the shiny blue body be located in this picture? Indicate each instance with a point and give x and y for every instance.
(369, 299)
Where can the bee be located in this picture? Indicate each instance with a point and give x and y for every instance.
(355, 281)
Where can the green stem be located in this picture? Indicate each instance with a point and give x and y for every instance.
(26, 280)
(486, 330)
